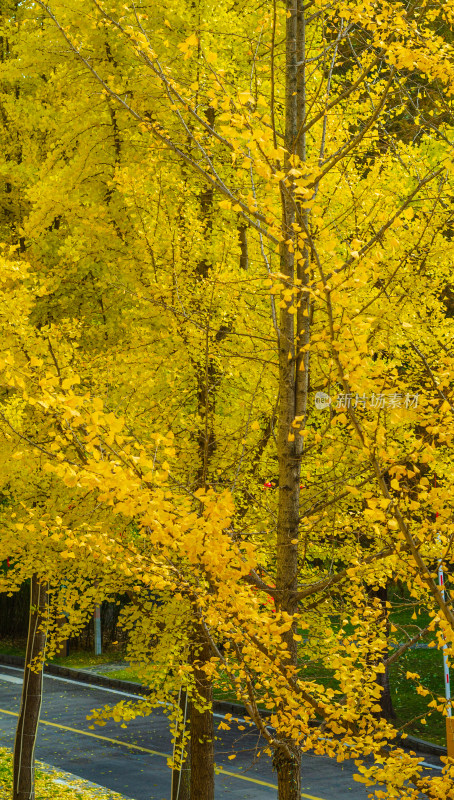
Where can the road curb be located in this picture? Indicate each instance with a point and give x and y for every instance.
(84, 676)
(219, 706)
(421, 746)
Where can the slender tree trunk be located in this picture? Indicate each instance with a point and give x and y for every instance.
(63, 649)
(181, 777)
(195, 779)
(202, 726)
(386, 702)
(293, 373)
(27, 726)
(242, 238)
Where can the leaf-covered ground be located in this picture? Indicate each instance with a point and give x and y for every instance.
(52, 784)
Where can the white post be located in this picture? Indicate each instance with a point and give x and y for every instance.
(97, 626)
(441, 584)
(449, 720)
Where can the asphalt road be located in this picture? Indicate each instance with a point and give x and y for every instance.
(132, 760)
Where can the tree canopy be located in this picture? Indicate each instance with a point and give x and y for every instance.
(226, 304)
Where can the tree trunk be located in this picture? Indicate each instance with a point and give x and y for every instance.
(293, 373)
(202, 727)
(288, 768)
(201, 754)
(386, 703)
(63, 647)
(242, 238)
(27, 726)
(181, 777)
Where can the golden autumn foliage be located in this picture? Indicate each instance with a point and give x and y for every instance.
(227, 261)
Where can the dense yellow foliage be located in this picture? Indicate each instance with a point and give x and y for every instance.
(179, 281)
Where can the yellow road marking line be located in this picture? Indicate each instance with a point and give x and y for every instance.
(218, 770)
(93, 735)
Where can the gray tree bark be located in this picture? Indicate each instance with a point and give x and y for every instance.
(27, 726)
(181, 777)
(293, 374)
(202, 725)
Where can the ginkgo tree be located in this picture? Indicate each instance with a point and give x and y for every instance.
(65, 242)
(175, 538)
(351, 223)
(192, 557)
